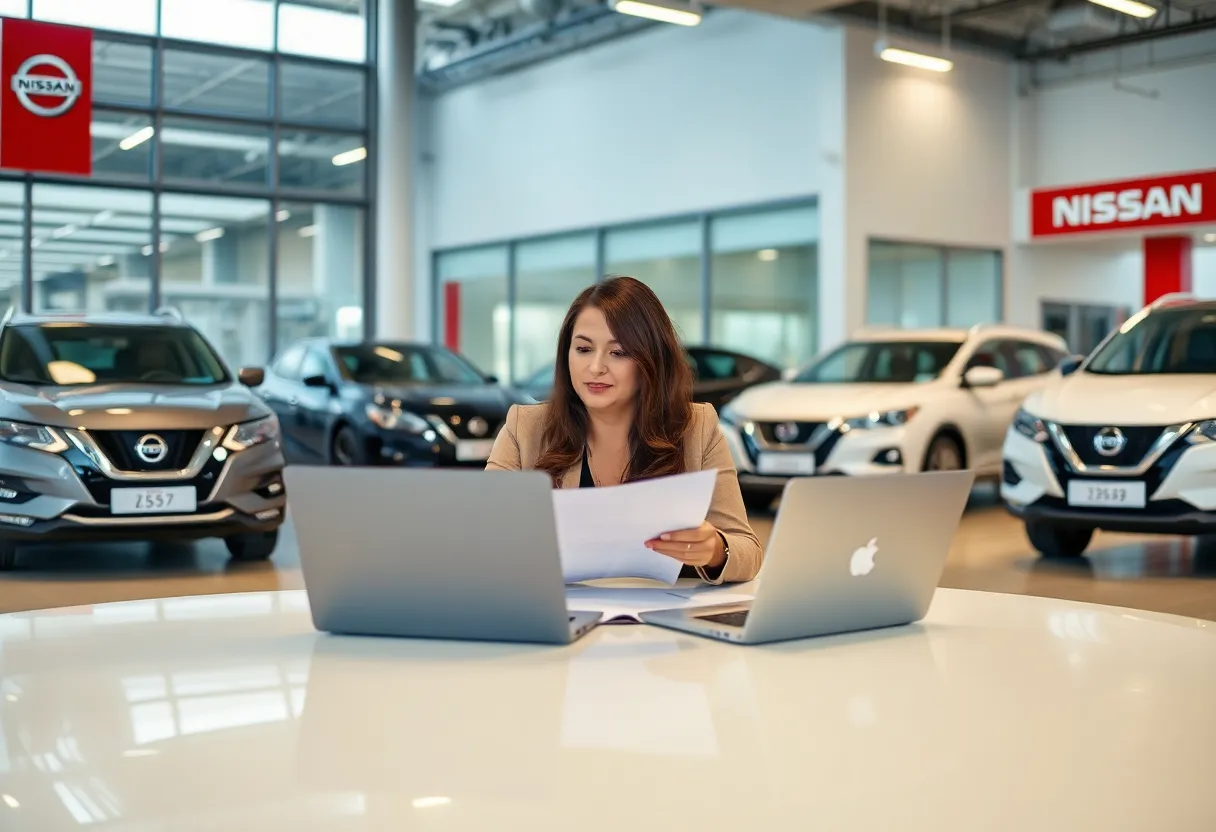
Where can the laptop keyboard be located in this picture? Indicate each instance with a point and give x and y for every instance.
(731, 619)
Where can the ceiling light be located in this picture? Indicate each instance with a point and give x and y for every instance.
(768, 255)
(103, 217)
(137, 138)
(283, 215)
(1129, 7)
(351, 156)
(658, 10)
(913, 59)
(308, 231)
(64, 231)
(209, 235)
(107, 260)
(430, 802)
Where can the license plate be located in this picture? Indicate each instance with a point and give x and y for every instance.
(1095, 494)
(474, 450)
(786, 463)
(176, 500)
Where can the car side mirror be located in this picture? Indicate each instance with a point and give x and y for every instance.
(1071, 364)
(316, 381)
(491, 379)
(251, 376)
(983, 377)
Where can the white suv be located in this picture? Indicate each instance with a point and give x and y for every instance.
(897, 400)
(1124, 440)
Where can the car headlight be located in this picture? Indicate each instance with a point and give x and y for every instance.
(1030, 426)
(1202, 432)
(393, 418)
(248, 434)
(880, 419)
(38, 437)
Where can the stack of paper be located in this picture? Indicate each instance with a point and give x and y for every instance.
(602, 532)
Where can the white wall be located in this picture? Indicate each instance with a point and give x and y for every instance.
(669, 121)
(928, 156)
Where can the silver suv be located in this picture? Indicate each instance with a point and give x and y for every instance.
(132, 427)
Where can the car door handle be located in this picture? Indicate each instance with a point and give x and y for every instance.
(293, 401)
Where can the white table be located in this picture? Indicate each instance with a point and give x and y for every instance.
(230, 713)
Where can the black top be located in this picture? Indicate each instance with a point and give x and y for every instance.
(586, 480)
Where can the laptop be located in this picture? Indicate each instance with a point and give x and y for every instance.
(424, 553)
(846, 554)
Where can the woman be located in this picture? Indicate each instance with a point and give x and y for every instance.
(622, 410)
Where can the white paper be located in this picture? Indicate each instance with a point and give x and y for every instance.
(602, 532)
(628, 604)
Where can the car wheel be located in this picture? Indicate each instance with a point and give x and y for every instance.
(8, 555)
(1055, 541)
(944, 454)
(253, 546)
(757, 502)
(348, 447)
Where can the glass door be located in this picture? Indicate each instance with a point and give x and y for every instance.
(1081, 325)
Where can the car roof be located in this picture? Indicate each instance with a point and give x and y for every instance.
(94, 319)
(958, 334)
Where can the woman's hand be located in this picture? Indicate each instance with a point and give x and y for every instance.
(701, 546)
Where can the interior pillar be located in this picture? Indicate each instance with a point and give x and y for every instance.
(1167, 265)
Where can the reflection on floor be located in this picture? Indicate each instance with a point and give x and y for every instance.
(990, 552)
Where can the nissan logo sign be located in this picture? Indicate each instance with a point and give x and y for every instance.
(28, 84)
(151, 448)
(1109, 441)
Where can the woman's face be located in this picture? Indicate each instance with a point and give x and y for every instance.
(603, 376)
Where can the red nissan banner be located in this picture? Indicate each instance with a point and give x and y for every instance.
(1159, 201)
(46, 97)
(1127, 204)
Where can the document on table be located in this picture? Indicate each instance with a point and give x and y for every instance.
(602, 532)
(627, 605)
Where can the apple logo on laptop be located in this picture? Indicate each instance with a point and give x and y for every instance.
(862, 561)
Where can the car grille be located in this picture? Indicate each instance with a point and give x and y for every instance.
(119, 447)
(1140, 439)
(805, 430)
(458, 418)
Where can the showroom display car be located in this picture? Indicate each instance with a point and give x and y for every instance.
(718, 375)
(132, 427)
(1124, 440)
(384, 403)
(889, 401)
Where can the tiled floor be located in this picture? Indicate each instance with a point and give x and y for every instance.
(990, 552)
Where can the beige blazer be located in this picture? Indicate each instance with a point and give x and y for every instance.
(518, 448)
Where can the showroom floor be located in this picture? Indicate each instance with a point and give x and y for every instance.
(990, 552)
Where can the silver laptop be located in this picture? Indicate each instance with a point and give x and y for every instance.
(423, 553)
(846, 554)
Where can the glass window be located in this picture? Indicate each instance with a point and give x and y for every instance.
(404, 364)
(474, 317)
(92, 249)
(244, 23)
(218, 84)
(667, 258)
(40, 354)
(12, 8)
(322, 162)
(764, 284)
(322, 94)
(12, 243)
(898, 362)
(334, 29)
(122, 73)
(137, 16)
(287, 365)
(313, 365)
(994, 353)
(549, 274)
(205, 153)
(215, 268)
(973, 287)
(121, 145)
(1031, 359)
(320, 271)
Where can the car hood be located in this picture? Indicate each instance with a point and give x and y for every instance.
(487, 399)
(793, 401)
(1095, 399)
(130, 406)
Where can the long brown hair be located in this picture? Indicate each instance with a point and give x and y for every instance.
(663, 408)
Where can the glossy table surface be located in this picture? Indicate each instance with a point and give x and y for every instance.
(229, 712)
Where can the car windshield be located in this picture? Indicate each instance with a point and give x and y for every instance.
(1181, 341)
(78, 354)
(881, 362)
(409, 364)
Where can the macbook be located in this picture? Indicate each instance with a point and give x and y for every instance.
(845, 554)
(459, 554)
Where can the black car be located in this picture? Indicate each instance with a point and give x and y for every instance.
(718, 376)
(384, 403)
